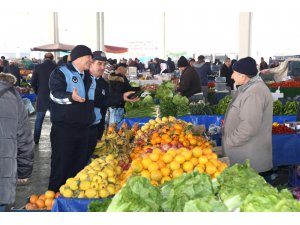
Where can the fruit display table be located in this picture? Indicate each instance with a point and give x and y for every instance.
(201, 119)
(72, 204)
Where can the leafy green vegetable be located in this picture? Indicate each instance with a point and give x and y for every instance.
(273, 202)
(237, 182)
(165, 90)
(223, 105)
(96, 206)
(290, 108)
(134, 84)
(148, 101)
(182, 105)
(277, 108)
(137, 195)
(201, 109)
(185, 188)
(208, 204)
(145, 111)
(167, 108)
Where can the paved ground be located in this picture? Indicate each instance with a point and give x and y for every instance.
(41, 168)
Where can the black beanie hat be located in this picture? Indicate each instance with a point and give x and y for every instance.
(79, 51)
(99, 55)
(182, 62)
(246, 66)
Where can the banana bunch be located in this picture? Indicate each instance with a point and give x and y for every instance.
(114, 142)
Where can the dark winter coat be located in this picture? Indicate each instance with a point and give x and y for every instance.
(203, 70)
(119, 83)
(14, 70)
(190, 82)
(227, 72)
(171, 66)
(69, 112)
(16, 145)
(40, 84)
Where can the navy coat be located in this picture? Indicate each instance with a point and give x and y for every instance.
(40, 84)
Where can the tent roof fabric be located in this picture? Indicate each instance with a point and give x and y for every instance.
(57, 47)
(114, 49)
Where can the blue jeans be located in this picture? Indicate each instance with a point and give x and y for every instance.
(38, 125)
(2, 208)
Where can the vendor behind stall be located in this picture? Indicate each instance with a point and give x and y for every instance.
(280, 72)
(190, 83)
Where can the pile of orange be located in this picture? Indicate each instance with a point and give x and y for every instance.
(174, 133)
(160, 166)
(43, 202)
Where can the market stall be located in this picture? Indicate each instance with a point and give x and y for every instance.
(157, 186)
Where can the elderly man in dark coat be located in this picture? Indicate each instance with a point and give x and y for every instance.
(16, 150)
(40, 85)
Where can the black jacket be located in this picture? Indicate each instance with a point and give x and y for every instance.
(190, 82)
(227, 72)
(171, 66)
(105, 99)
(75, 114)
(40, 84)
(120, 84)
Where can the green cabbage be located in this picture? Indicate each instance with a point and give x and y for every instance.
(148, 101)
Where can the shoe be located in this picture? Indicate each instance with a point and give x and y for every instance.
(36, 142)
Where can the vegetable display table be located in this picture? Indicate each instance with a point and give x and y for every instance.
(287, 91)
(214, 97)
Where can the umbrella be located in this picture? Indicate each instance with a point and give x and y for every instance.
(58, 47)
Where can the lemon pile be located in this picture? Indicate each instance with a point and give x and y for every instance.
(99, 179)
(160, 166)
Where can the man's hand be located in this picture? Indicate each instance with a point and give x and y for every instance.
(76, 97)
(265, 71)
(126, 94)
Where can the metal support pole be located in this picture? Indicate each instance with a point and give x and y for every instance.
(100, 30)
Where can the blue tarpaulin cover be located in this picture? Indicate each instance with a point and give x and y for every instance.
(286, 149)
(200, 119)
(73, 204)
(32, 97)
